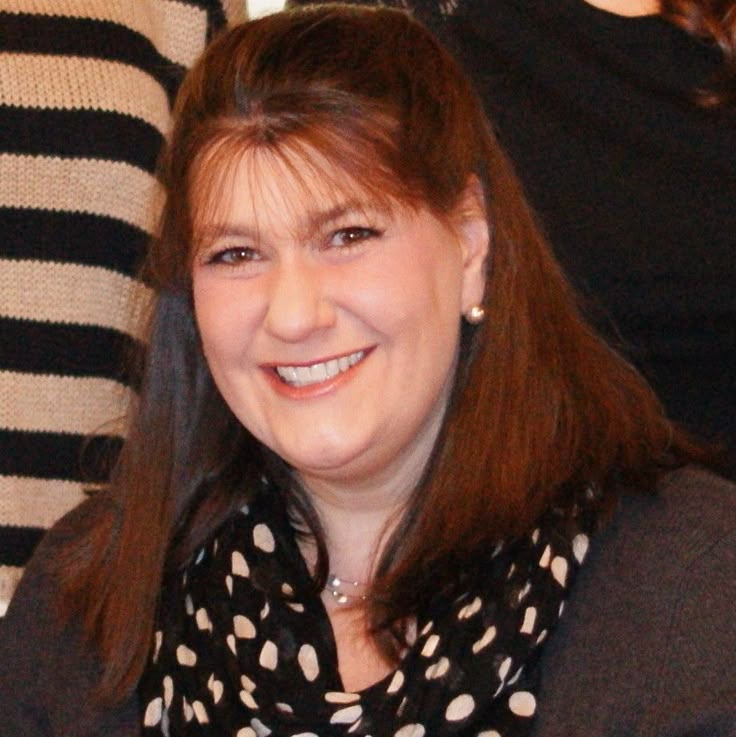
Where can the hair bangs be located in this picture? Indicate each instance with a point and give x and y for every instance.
(320, 164)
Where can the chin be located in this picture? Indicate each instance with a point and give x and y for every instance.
(337, 467)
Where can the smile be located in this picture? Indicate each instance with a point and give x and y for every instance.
(318, 372)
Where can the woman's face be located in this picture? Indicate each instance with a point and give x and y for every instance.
(331, 327)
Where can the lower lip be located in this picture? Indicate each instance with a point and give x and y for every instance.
(320, 388)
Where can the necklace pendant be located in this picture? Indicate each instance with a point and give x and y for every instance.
(345, 592)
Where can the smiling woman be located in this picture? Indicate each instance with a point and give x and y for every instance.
(378, 452)
(302, 329)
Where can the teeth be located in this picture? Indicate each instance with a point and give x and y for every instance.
(290, 374)
(305, 375)
(319, 371)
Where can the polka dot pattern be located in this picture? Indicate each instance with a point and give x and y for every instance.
(168, 691)
(580, 545)
(263, 538)
(269, 656)
(339, 697)
(239, 565)
(154, 710)
(308, 662)
(411, 730)
(239, 648)
(200, 712)
(530, 618)
(559, 570)
(396, 683)
(473, 608)
(348, 715)
(248, 699)
(460, 708)
(203, 620)
(488, 636)
(523, 704)
(260, 728)
(185, 656)
(438, 670)
(216, 688)
(430, 646)
(243, 627)
(158, 639)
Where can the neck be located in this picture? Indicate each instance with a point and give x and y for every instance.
(358, 513)
(359, 507)
(356, 526)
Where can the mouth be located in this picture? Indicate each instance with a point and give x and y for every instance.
(316, 373)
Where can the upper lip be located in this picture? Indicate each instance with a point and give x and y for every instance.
(302, 373)
(314, 361)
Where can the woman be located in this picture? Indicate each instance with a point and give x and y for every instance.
(373, 442)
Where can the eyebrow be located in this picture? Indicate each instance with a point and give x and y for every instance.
(314, 220)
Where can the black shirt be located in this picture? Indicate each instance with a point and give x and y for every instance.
(635, 185)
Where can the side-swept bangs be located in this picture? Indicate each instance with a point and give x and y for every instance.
(310, 86)
(354, 162)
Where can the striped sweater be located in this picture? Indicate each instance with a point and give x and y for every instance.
(85, 93)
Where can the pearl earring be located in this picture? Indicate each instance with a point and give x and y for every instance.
(476, 314)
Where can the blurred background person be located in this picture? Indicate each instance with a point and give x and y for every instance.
(85, 93)
(620, 118)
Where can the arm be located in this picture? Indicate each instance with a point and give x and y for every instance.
(645, 646)
(695, 689)
(47, 672)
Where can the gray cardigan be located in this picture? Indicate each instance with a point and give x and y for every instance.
(645, 647)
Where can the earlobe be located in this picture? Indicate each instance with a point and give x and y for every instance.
(474, 232)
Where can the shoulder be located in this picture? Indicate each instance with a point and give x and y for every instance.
(45, 664)
(692, 513)
(73, 538)
(641, 643)
(72, 533)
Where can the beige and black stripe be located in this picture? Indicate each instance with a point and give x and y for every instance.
(86, 88)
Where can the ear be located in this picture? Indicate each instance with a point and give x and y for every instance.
(474, 233)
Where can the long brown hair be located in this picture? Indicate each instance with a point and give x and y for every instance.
(713, 21)
(541, 407)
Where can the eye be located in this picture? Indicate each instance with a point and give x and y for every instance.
(234, 256)
(353, 236)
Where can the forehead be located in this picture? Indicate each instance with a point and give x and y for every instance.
(286, 186)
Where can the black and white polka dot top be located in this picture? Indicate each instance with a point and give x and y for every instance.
(244, 646)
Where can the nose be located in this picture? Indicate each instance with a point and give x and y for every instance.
(299, 303)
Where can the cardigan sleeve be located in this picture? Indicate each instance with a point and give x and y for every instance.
(694, 691)
(645, 647)
(47, 672)
(24, 636)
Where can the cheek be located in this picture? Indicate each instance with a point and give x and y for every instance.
(419, 314)
(421, 276)
(221, 320)
(429, 289)
(206, 312)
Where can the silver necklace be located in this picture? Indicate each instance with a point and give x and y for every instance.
(345, 592)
